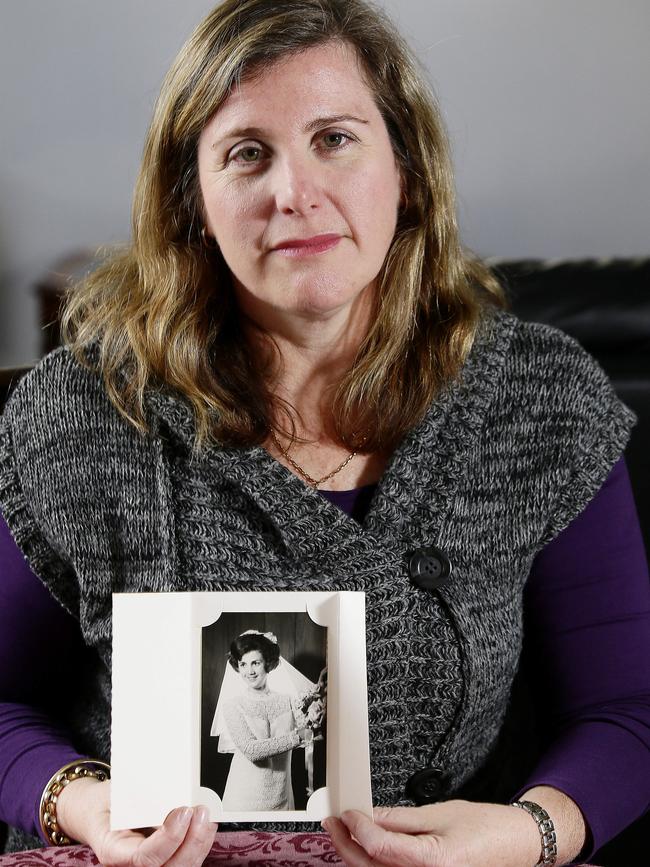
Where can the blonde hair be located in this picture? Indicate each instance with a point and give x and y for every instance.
(163, 312)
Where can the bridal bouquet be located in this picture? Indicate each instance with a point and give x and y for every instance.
(309, 708)
(309, 711)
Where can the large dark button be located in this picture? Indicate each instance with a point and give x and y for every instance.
(429, 567)
(427, 786)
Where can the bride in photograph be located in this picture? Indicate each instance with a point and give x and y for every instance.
(256, 723)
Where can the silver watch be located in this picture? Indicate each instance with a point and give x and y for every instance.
(546, 828)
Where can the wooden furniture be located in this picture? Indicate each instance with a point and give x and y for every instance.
(51, 288)
(9, 377)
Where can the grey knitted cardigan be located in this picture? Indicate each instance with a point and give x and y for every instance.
(504, 459)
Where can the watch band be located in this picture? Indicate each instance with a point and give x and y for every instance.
(546, 828)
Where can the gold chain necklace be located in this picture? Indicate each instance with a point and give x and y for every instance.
(313, 482)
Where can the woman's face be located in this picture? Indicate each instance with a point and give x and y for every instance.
(301, 152)
(252, 668)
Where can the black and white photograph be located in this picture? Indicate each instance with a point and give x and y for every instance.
(252, 703)
(263, 710)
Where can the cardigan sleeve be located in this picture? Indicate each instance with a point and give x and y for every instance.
(586, 426)
(587, 639)
(20, 442)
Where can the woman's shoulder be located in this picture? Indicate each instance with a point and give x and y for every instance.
(537, 339)
(56, 382)
(233, 703)
(60, 436)
(540, 362)
(63, 400)
(550, 415)
(543, 387)
(502, 330)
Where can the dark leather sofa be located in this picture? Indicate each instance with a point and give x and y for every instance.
(606, 306)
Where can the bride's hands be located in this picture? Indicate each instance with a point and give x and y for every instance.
(183, 840)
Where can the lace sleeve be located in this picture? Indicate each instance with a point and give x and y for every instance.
(255, 749)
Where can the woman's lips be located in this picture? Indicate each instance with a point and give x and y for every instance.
(308, 248)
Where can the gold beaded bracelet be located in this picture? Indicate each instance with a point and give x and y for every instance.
(47, 809)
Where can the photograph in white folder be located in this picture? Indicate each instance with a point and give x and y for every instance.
(254, 704)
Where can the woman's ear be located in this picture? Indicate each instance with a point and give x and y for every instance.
(403, 189)
(208, 240)
(404, 198)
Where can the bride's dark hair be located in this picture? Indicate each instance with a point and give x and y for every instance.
(254, 641)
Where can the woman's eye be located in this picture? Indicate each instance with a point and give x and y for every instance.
(247, 150)
(335, 135)
(249, 155)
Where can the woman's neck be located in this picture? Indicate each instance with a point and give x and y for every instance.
(315, 354)
(251, 692)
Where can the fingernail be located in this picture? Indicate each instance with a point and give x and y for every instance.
(325, 824)
(185, 815)
(203, 815)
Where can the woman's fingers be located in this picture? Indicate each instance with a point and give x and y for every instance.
(351, 853)
(156, 850)
(183, 840)
(117, 847)
(410, 820)
(197, 843)
(390, 847)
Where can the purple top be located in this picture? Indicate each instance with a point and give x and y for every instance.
(593, 649)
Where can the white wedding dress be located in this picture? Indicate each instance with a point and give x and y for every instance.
(263, 732)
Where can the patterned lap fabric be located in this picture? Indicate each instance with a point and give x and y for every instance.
(241, 848)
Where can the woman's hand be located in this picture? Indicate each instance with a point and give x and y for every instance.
(449, 834)
(183, 840)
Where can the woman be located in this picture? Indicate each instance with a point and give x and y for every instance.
(260, 725)
(295, 379)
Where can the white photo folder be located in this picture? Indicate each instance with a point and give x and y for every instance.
(156, 703)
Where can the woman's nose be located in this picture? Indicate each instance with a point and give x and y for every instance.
(297, 186)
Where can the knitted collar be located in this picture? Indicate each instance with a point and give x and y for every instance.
(434, 451)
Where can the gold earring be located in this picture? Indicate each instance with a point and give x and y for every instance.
(208, 241)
